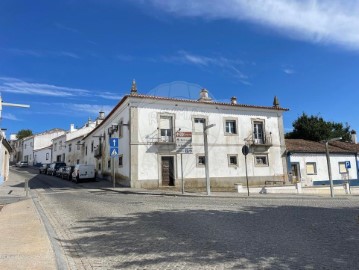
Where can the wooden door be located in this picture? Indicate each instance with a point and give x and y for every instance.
(167, 171)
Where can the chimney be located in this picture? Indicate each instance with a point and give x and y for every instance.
(72, 127)
(101, 115)
(203, 96)
(353, 134)
(134, 88)
(275, 102)
(233, 100)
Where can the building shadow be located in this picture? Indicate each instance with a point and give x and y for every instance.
(285, 237)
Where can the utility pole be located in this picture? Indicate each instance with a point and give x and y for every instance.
(1, 135)
(11, 105)
(206, 158)
(329, 164)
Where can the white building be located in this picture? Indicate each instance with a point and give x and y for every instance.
(308, 163)
(43, 155)
(5, 150)
(40, 142)
(147, 126)
(68, 147)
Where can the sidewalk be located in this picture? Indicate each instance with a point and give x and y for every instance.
(24, 240)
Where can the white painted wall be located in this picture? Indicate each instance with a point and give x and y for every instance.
(44, 139)
(42, 155)
(58, 147)
(28, 150)
(322, 168)
(122, 114)
(220, 145)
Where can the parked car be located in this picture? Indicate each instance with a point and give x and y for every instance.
(22, 164)
(54, 167)
(43, 168)
(83, 172)
(59, 171)
(67, 172)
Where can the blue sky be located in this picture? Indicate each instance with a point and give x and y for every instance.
(69, 59)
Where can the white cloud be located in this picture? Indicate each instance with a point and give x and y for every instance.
(67, 28)
(42, 53)
(92, 109)
(17, 86)
(288, 71)
(10, 116)
(230, 66)
(68, 54)
(317, 21)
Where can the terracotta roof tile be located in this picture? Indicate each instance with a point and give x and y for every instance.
(305, 146)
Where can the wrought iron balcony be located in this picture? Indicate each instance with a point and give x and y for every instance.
(264, 139)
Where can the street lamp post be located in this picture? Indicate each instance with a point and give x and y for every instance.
(206, 158)
(329, 164)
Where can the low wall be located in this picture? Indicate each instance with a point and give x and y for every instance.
(292, 189)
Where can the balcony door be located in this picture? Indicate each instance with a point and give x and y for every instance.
(166, 129)
(258, 132)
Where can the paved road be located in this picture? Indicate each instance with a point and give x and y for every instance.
(101, 229)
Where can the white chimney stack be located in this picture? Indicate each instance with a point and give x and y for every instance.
(101, 115)
(203, 96)
(72, 127)
(233, 100)
(353, 136)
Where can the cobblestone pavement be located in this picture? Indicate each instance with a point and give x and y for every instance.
(102, 229)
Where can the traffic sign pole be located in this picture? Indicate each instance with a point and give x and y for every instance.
(182, 173)
(114, 173)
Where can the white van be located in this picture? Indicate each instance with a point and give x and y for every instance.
(83, 172)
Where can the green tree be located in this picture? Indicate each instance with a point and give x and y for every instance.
(24, 133)
(315, 128)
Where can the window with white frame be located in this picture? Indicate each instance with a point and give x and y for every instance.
(166, 128)
(261, 160)
(198, 124)
(342, 168)
(47, 156)
(231, 127)
(232, 160)
(201, 160)
(311, 168)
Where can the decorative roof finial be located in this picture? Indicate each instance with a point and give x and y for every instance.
(133, 87)
(275, 102)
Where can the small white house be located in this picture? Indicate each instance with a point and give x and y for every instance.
(5, 150)
(33, 148)
(307, 162)
(68, 147)
(43, 155)
(147, 129)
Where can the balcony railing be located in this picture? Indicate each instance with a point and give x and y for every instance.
(264, 140)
